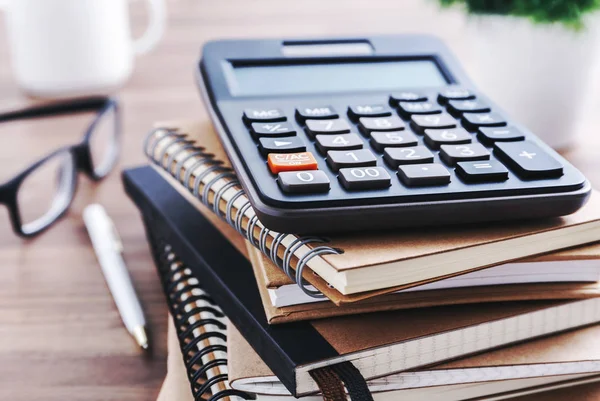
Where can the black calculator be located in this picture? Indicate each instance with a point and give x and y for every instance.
(382, 132)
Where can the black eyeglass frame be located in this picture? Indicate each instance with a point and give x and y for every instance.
(80, 153)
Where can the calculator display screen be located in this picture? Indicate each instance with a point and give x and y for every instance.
(294, 79)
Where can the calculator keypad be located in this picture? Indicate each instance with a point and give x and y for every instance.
(421, 123)
(315, 113)
(263, 115)
(452, 154)
(488, 136)
(417, 175)
(333, 126)
(434, 138)
(528, 160)
(365, 178)
(473, 121)
(407, 109)
(369, 124)
(457, 107)
(279, 162)
(393, 139)
(291, 144)
(368, 110)
(413, 155)
(326, 143)
(482, 171)
(420, 140)
(338, 159)
(298, 182)
(272, 129)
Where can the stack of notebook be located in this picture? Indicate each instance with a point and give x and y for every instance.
(417, 313)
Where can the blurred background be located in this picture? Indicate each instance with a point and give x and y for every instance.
(60, 335)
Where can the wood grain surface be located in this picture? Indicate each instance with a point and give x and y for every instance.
(60, 334)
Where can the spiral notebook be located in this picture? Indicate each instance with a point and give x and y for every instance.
(191, 157)
(200, 324)
(352, 348)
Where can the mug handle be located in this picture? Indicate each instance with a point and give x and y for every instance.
(157, 17)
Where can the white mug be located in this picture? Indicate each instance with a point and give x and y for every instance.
(71, 48)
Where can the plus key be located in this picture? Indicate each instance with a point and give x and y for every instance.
(528, 160)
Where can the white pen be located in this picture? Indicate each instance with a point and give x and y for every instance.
(109, 249)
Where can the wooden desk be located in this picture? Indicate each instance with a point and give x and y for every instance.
(60, 334)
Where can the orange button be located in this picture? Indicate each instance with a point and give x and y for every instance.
(279, 162)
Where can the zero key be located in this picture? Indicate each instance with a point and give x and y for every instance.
(306, 181)
(528, 160)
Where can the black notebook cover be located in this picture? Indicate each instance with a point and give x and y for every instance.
(226, 274)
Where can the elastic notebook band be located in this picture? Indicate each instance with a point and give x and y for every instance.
(355, 382)
(329, 383)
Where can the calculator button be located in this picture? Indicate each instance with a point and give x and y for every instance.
(407, 109)
(455, 93)
(290, 144)
(421, 123)
(368, 110)
(457, 107)
(279, 162)
(489, 136)
(472, 121)
(326, 143)
(272, 129)
(395, 157)
(337, 126)
(423, 175)
(528, 160)
(312, 181)
(263, 115)
(407, 96)
(368, 124)
(315, 113)
(482, 171)
(451, 154)
(380, 140)
(365, 178)
(436, 137)
(338, 159)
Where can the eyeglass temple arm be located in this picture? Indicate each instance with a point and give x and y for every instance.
(53, 109)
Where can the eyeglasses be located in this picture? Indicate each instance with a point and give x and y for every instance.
(42, 193)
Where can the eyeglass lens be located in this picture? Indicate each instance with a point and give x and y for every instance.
(104, 142)
(46, 192)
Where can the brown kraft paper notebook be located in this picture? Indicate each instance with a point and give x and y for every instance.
(554, 362)
(381, 262)
(264, 270)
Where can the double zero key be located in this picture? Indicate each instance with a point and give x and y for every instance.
(361, 178)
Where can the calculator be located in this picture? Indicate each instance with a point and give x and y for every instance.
(338, 134)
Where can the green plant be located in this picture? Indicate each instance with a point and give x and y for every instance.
(567, 12)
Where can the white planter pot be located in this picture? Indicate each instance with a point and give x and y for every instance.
(537, 73)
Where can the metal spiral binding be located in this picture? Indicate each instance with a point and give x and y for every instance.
(232, 216)
(178, 283)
